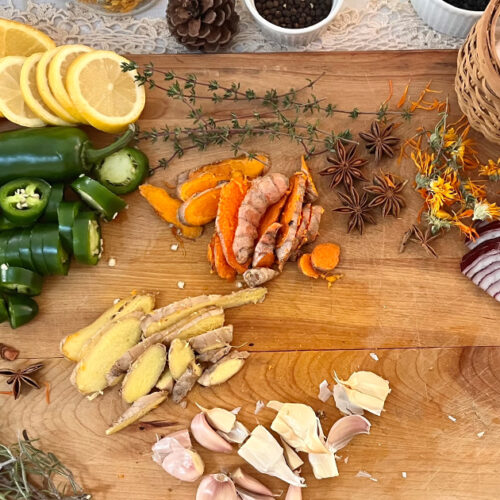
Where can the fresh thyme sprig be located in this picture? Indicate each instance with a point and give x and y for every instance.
(280, 115)
(29, 473)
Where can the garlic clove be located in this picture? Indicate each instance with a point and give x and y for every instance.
(237, 434)
(219, 418)
(263, 452)
(343, 403)
(249, 483)
(366, 390)
(185, 465)
(292, 458)
(294, 493)
(275, 405)
(207, 437)
(168, 444)
(344, 429)
(323, 465)
(248, 495)
(297, 424)
(216, 487)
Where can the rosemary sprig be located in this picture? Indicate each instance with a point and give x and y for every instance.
(280, 115)
(28, 473)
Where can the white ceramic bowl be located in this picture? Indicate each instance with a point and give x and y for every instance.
(446, 18)
(290, 36)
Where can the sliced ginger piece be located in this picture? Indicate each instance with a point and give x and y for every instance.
(224, 369)
(325, 257)
(201, 208)
(166, 381)
(144, 373)
(214, 339)
(103, 350)
(311, 190)
(306, 266)
(180, 356)
(167, 208)
(214, 355)
(209, 176)
(140, 408)
(71, 346)
(186, 382)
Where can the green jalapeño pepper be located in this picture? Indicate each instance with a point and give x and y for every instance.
(123, 171)
(19, 280)
(4, 314)
(66, 214)
(22, 309)
(55, 198)
(24, 200)
(53, 153)
(87, 242)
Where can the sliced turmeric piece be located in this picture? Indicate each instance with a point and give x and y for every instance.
(290, 218)
(300, 237)
(201, 208)
(211, 253)
(209, 176)
(325, 257)
(272, 214)
(313, 227)
(264, 192)
(167, 207)
(224, 270)
(259, 276)
(306, 267)
(264, 250)
(231, 198)
(311, 191)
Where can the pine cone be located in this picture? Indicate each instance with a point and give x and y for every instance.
(202, 24)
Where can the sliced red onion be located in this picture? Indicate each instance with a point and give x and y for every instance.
(483, 262)
(478, 277)
(494, 288)
(485, 233)
(490, 278)
(470, 257)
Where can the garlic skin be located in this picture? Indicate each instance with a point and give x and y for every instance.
(323, 465)
(237, 434)
(344, 429)
(219, 418)
(275, 405)
(294, 493)
(185, 465)
(343, 403)
(216, 487)
(297, 424)
(366, 390)
(249, 483)
(207, 437)
(265, 454)
(247, 495)
(175, 441)
(324, 392)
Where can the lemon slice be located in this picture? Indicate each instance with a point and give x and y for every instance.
(20, 40)
(58, 68)
(104, 95)
(42, 82)
(31, 95)
(12, 103)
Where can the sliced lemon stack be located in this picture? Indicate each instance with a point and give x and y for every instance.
(21, 40)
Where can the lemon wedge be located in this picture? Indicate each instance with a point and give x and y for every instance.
(31, 95)
(108, 98)
(20, 40)
(12, 104)
(42, 82)
(58, 68)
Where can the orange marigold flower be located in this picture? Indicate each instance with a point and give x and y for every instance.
(476, 190)
(484, 210)
(468, 231)
(443, 193)
(423, 161)
(491, 170)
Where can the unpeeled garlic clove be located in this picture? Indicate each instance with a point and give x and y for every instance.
(344, 429)
(219, 418)
(170, 443)
(237, 434)
(207, 437)
(185, 465)
(249, 483)
(294, 493)
(248, 495)
(216, 487)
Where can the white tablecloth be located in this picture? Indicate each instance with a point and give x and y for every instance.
(360, 25)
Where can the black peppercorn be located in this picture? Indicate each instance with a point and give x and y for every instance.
(295, 13)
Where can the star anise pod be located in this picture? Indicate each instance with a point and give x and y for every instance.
(379, 140)
(19, 377)
(358, 209)
(345, 166)
(387, 190)
(416, 235)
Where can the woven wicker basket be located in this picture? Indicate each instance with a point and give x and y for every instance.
(478, 75)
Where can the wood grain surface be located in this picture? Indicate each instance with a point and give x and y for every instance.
(436, 334)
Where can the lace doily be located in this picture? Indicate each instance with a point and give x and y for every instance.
(379, 25)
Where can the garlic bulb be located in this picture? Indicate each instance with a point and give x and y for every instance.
(185, 465)
(344, 429)
(216, 487)
(207, 437)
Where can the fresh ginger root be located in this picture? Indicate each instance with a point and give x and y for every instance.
(264, 250)
(186, 382)
(180, 356)
(214, 355)
(166, 381)
(259, 275)
(264, 192)
(214, 339)
(325, 257)
(224, 369)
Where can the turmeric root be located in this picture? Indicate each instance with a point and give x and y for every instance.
(272, 214)
(231, 198)
(211, 254)
(300, 237)
(201, 208)
(306, 266)
(224, 270)
(264, 192)
(311, 191)
(167, 207)
(140, 408)
(224, 369)
(144, 373)
(214, 339)
(186, 383)
(209, 176)
(264, 250)
(214, 355)
(290, 218)
(325, 257)
(180, 356)
(313, 227)
(259, 276)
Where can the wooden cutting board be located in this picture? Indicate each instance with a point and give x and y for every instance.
(435, 334)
